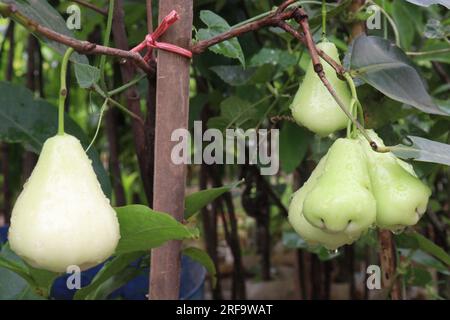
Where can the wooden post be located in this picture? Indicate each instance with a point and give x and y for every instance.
(172, 106)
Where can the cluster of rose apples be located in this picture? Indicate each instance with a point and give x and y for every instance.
(353, 188)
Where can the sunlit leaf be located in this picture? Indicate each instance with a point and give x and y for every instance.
(142, 228)
(196, 201)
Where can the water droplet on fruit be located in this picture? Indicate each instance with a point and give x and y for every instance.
(333, 252)
(398, 231)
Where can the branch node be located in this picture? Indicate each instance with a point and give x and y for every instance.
(89, 46)
(299, 14)
(318, 68)
(374, 145)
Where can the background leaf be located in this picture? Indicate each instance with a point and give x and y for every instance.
(294, 141)
(30, 121)
(43, 13)
(426, 3)
(235, 113)
(385, 67)
(238, 76)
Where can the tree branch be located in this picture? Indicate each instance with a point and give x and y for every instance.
(271, 20)
(92, 7)
(276, 19)
(85, 47)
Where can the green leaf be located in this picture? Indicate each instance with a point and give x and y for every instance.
(424, 259)
(196, 201)
(294, 141)
(431, 45)
(380, 110)
(424, 150)
(86, 75)
(234, 112)
(275, 57)
(238, 76)
(114, 283)
(142, 228)
(39, 280)
(387, 68)
(46, 15)
(418, 277)
(11, 284)
(427, 3)
(217, 25)
(316, 20)
(204, 259)
(15, 267)
(28, 293)
(433, 249)
(30, 121)
(111, 268)
(42, 280)
(407, 18)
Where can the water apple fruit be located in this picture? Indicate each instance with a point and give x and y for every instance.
(62, 216)
(313, 106)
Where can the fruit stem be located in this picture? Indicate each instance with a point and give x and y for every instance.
(106, 43)
(324, 20)
(355, 107)
(63, 90)
(97, 130)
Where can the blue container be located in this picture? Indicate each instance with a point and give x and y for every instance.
(191, 287)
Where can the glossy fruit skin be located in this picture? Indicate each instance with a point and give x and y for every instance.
(309, 233)
(313, 106)
(402, 197)
(62, 218)
(341, 200)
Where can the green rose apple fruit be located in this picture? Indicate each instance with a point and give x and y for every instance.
(313, 106)
(309, 233)
(62, 218)
(341, 200)
(401, 196)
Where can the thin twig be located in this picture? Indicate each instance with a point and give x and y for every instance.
(284, 5)
(299, 36)
(276, 19)
(85, 47)
(272, 19)
(302, 18)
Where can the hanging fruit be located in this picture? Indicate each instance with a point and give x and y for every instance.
(313, 106)
(62, 217)
(309, 233)
(401, 196)
(341, 200)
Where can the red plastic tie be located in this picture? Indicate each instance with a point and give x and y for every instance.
(150, 40)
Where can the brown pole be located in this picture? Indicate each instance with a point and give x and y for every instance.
(172, 106)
